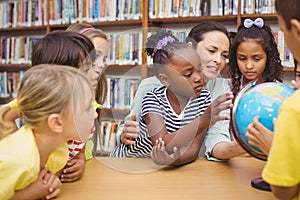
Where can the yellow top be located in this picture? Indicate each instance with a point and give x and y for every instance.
(20, 161)
(282, 167)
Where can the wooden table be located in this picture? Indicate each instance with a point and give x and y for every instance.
(138, 178)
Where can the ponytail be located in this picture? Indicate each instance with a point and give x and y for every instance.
(6, 125)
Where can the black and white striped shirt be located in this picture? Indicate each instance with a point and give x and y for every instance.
(157, 102)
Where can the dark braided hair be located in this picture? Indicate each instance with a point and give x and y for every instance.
(263, 36)
(165, 54)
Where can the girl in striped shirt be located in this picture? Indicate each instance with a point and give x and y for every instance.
(174, 111)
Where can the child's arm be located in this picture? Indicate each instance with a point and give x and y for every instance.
(189, 138)
(46, 186)
(178, 157)
(74, 168)
(228, 150)
(285, 192)
(184, 136)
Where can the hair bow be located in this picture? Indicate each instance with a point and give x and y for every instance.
(259, 22)
(163, 42)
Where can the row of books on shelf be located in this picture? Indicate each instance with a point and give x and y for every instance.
(16, 50)
(107, 137)
(34, 12)
(195, 8)
(9, 82)
(23, 13)
(71, 11)
(257, 6)
(121, 92)
(191, 8)
(125, 49)
(285, 54)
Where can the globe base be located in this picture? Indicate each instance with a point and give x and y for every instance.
(260, 184)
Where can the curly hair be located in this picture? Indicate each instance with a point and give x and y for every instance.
(264, 37)
(164, 54)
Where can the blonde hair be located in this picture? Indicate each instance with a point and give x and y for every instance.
(45, 89)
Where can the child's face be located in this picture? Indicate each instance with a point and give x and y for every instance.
(216, 46)
(251, 59)
(184, 78)
(82, 117)
(101, 47)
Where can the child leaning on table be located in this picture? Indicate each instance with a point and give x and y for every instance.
(178, 112)
(75, 50)
(48, 106)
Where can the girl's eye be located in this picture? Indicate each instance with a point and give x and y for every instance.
(241, 58)
(257, 58)
(187, 75)
(211, 51)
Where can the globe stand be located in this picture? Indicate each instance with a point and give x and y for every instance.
(260, 184)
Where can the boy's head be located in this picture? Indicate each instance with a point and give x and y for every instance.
(289, 23)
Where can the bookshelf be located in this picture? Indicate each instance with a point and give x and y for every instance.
(132, 14)
(146, 15)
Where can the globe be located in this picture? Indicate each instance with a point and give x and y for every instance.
(263, 100)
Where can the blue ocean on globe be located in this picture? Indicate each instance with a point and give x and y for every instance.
(262, 100)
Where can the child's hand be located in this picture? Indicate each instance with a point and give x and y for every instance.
(130, 131)
(47, 185)
(55, 185)
(294, 85)
(73, 170)
(260, 136)
(160, 156)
